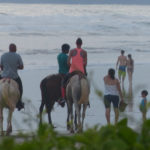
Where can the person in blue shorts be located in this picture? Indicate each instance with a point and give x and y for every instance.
(122, 62)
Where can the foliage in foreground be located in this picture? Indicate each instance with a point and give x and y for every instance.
(118, 137)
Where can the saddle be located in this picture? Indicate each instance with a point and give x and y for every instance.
(79, 73)
(6, 79)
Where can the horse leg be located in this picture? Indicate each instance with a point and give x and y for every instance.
(1, 121)
(68, 116)
(79, 119)
(83, 113)
(49, 117)
(41, 110)
(9, 126)
(75, 121)
(72, 128)
(77, 109)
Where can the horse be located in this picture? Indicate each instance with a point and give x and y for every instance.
(77, 93)
(9, 96)
(50, 92)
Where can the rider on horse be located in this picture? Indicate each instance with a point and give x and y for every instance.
(10, 63)
(62, 59)
(77, 61)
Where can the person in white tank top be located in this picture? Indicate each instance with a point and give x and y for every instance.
(112, 94)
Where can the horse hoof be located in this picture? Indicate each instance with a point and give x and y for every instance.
(68, 127)
(2, 133)
(71, 131)
(52, 126)
(9, 130)
(79, 130)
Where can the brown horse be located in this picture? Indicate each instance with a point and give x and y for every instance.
(50, 92)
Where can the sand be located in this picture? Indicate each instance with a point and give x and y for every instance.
(27, 120)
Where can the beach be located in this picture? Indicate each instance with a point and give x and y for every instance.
(39, 30)
(95, 115)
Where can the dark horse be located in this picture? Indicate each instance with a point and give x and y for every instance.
(50, 92)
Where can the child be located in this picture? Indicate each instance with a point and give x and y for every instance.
(143, 107)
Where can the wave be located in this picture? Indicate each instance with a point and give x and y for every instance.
(31, 34)
(146, 23)
(3, 14)
(90, 50)
(40, 51)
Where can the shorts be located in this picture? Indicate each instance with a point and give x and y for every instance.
(111, 98)
(122, 71)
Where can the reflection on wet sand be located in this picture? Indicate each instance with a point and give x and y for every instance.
(130, 98)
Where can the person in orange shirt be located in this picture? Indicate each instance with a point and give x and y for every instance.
(77, 61)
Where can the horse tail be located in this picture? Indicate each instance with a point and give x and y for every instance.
(85, 90)
(43, 90)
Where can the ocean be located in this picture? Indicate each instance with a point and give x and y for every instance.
(39, 30)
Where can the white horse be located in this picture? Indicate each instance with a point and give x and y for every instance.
(77, 93)
(9, 96)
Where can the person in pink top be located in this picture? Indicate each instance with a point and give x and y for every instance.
(77, 61)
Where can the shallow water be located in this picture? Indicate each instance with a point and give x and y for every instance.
(39, 30)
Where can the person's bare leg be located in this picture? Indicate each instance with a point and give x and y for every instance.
(130, 77)
(123, 78)
(119, 78)
(116, 115)
(144, 116)
(107, 114)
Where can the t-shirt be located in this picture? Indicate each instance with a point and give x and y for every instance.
(62, 62)
(77, 56)
(10, 62)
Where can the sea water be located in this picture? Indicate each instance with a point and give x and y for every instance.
(39, 30)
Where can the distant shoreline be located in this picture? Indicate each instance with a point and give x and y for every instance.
(119, 2)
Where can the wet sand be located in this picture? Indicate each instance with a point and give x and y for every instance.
(27, 120)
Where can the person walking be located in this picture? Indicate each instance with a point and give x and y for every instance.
(111, 94)
(122, 62)
(130, 68)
